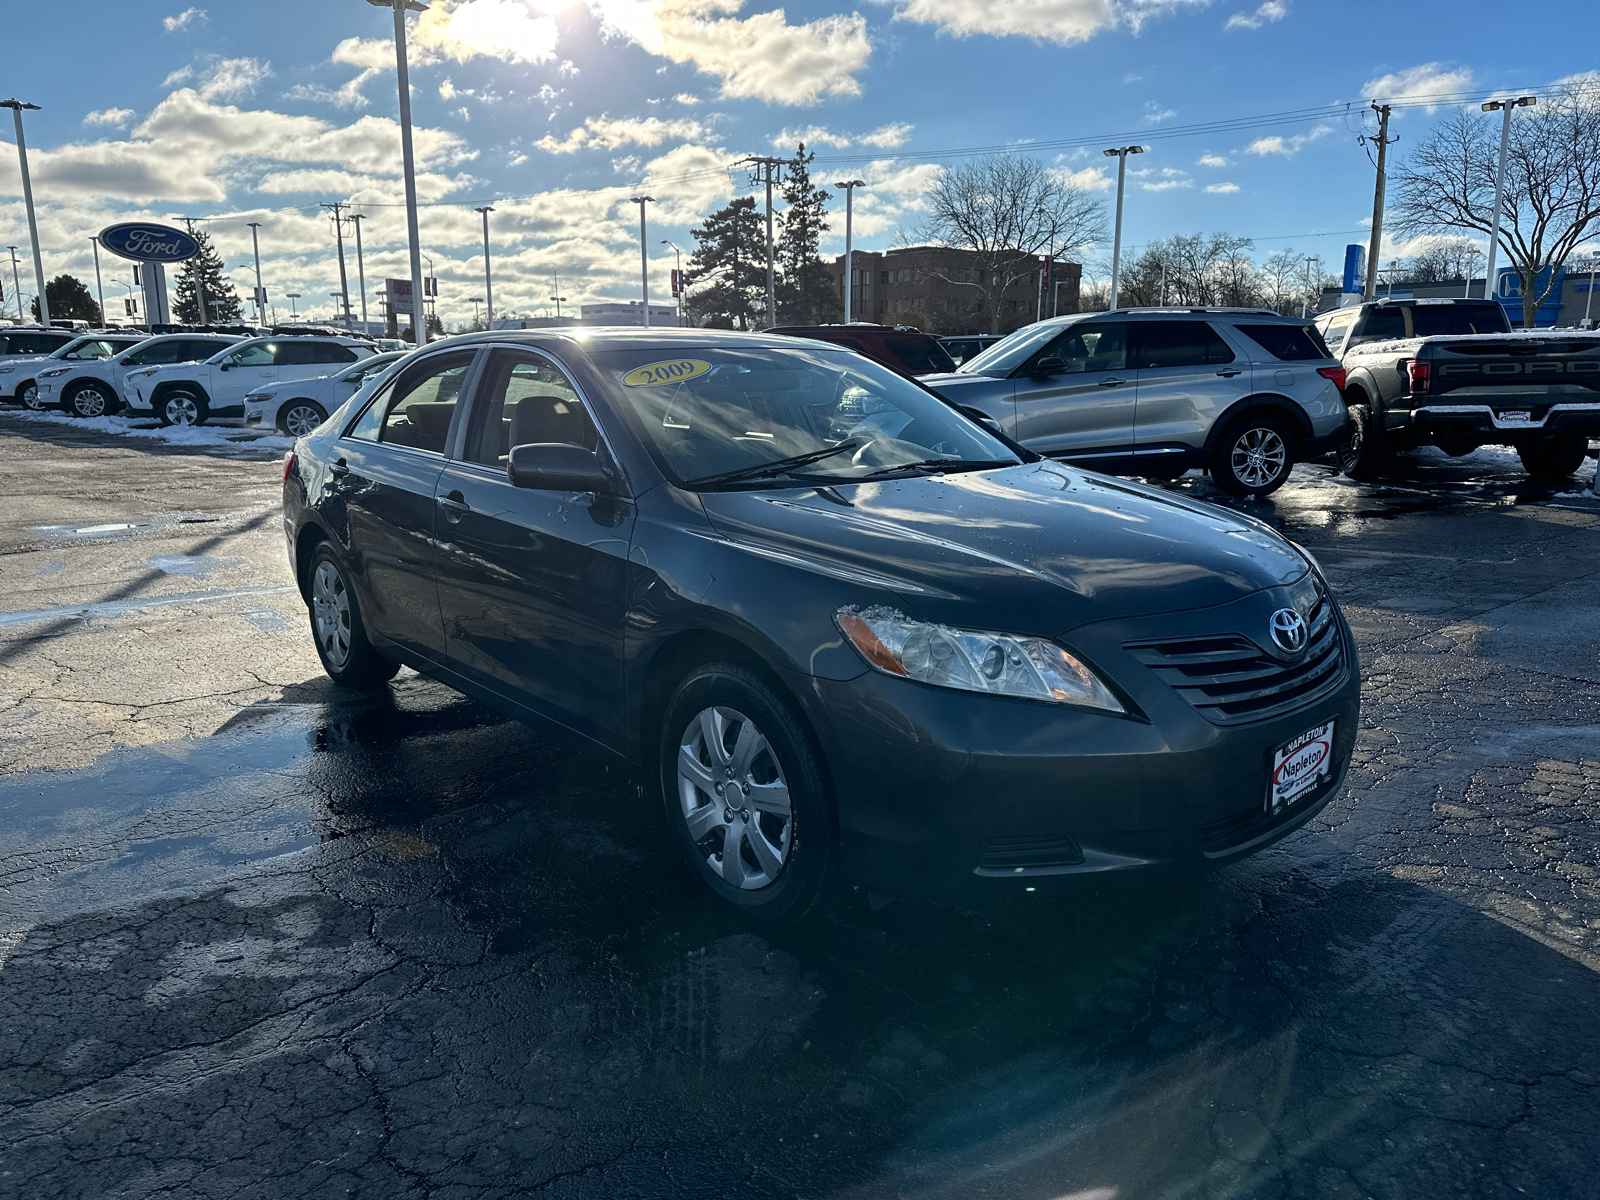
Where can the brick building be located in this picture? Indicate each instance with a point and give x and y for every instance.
(919, 285)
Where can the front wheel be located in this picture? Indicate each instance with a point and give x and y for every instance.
(1554, 459)
(182, 407)
(300, 417)
(91, 399)
(1365, 452)
(347, 656)
(29, 395)
(1253, 458)
(745, 793)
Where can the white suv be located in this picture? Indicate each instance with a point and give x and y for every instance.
(192, 393)
(28, 352)
(297, 406)
(94, 389)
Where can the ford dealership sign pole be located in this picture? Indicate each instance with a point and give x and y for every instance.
(153, 245)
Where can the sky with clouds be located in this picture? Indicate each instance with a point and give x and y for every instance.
(557, 111)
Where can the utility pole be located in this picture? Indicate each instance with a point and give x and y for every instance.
(1505, 107)
(338, 235)
(1305, 309)
(488, 285)
(16, 107)
(644, 255)
(194, 273)
(677, 275)
(1370, 290)
(261, 300)
(98, 285)
(1120, 153)
(15, 285)
(361, 270)
(558, 297)
(849, 186)
(763, 172)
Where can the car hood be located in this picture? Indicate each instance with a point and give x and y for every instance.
(953, 385)
(1036, 548)
(28, 360)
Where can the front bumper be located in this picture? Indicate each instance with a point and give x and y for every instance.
(943, 792)
(1505, 423)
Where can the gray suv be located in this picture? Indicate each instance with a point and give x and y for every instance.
(1241, 393)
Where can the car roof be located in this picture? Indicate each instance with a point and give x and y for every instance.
(620, 337)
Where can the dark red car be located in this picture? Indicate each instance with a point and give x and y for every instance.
(908, 351)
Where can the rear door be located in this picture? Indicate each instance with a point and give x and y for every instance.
(1085, 412)
(1187, 376)
(249, 368)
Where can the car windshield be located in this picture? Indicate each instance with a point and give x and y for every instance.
(745, 418)
(1009, 353)
(72, 349)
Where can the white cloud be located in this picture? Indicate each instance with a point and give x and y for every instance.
(1064, 21)
(1272, 10)
(1222, 189)
(447, 90)
(1212, 160)
(1171, 179)
(233, 78)
(1287, 146)
(1089, 179)
(1154, 114)
(189, 18)
(117, 118)
(1428, 84)
(606, 133)
(686, 98)
(885, 137)
(503, 29)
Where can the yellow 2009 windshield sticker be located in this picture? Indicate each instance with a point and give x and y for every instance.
(673, 371)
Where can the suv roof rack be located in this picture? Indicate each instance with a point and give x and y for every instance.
(1189, 308)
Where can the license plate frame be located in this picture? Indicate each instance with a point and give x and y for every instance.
(1299, 766)
(1515, 416)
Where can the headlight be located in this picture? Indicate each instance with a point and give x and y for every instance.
(257, 397)
(973, 661)
(6, 370)
(54, 373)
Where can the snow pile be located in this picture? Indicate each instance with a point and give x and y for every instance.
(176, 435)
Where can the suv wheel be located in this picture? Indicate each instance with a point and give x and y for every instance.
(1253, 458)
(336, 627)
(744, 793)
(1554, 458)
(1365, 452)
(182, 406)
(300, 417)
(91, 399)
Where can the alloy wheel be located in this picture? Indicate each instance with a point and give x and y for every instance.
(90, 401)
(1258, 456)
(330, 611)
(734, 798)
(30, 398)
(301, 420)
(181, 409)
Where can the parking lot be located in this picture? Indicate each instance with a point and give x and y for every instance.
(265, 938)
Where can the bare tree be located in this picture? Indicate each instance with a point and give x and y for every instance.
(1552, 183)
(1007, 210)
(1442, 260)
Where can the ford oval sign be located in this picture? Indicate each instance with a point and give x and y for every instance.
(145, 242)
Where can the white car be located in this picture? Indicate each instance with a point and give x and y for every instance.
(18, 375)
(94, 389)
(192, 393)
(298, 406)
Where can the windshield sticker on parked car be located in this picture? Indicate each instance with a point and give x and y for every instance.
(656, 374)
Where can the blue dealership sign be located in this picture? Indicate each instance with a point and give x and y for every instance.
(144, 241)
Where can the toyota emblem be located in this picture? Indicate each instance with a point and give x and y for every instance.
(1288, 630)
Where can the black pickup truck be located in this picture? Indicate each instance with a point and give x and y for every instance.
(1536, 391)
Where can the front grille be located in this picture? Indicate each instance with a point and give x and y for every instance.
(1018, 855)
(1232, 681)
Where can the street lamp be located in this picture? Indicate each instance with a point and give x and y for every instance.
(16, 286)
(16, 107)
(293, 296)
(1505, 107)
(98, 285)
(644, 255)
(476, 300)
(419, 320)
(488, 285)
(849, 186)
(1305, 309)
(361, 272)
(261, 300)
(1119, 153)
(677, 274)
(558, 297)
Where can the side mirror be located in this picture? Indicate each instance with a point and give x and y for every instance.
(557, 467)
(1050, 366)
(224, 366)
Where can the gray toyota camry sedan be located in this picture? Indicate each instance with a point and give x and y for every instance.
(844, 630)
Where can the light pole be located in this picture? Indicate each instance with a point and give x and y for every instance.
(293, 296)
(1305, 309)
(419, 320)
(849, 186)
(677, 274)
(1505, 107)
(98, 285)
(361, 272)
(1472, 257)
(644, 255)
(431, 299)
(558, 297)
(16, 286)
(1120, 153)
(126, 300)
(488, 284)
(16, 107)
(476, 300)
(255, 246)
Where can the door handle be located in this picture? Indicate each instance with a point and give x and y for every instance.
(1112, 382)
(454, 505)
(1230, 372)
(339, 470)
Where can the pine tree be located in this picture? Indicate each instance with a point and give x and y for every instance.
(69, 301)
(727, 274)
(222, 302)
(807, 294)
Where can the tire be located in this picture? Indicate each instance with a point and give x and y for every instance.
(336, 627)
(1365, 452)
(299, 417)
(182, 406)
(726, 726)
(29, 395)
(1254, 457)
(90, 399)
(1554, 458)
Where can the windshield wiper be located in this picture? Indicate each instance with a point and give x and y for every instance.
(928, 464)
(778, 466)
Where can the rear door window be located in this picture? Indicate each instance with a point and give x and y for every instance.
(299, 354)
(525, 398)
(1435, 320)
(1292, 343)
(1179, 344)
(1381, 324)
(159, 352)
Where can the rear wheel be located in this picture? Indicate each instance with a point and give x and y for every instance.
(1365, 452)
(745, 793)
(347, 656)
(299, 417)
(1254, 457)
(182, 406)
(1554, 458)
(91, 399)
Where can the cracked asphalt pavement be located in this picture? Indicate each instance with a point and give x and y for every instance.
(262, 938)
